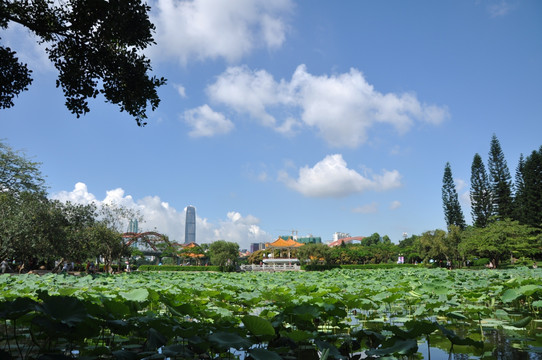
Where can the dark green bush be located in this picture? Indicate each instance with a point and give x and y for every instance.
(177, 268)
(378, 266)
(321, 267)
(480, 262)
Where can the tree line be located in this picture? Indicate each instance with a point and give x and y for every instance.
(36, 231)
(506, 215)
(507, 222)
(96, 46)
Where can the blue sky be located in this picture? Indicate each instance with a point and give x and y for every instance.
(319, 117)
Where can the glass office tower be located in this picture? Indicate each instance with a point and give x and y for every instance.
(190, 225)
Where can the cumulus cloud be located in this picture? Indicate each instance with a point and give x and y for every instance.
(499, 8)
(366, 209)
(28, 47)
(180, 90)
(332, 178)
(395, 205)
(207, 123)
(462, 189)
(341, 108)
(189, 30)
(162, 217)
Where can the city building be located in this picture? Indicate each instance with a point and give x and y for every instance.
(310, 240)
(190, 225)
(256, 246)
(347, 240)
(340, 235)
(133, 226)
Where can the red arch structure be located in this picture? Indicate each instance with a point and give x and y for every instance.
(150, 237)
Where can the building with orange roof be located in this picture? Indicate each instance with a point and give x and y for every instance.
(283, 248)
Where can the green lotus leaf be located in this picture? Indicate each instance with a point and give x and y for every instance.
(227, 340)
(528, 289)
(510, 295)
(419, 328)
(138, 295)
(456, 315)
(125, 355)
(400, 347)
(13, 310)
(458, 340)
(297, 335)
(501, 314)
(263, 354)
(68, 310)
(258, 326)
(155, 340)
(522, 323)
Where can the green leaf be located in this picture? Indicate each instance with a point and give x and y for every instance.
(155, 340)
(522, 323)
(456, 315)
(263, 354)
(258, 326)
(227, 340)
(529, 289)
(68, 310)
(124, 355)
(418, 328)
(401, 347)
(457, 340)
(510, 295)
(138, 295)
(297, 335)
(13, 310)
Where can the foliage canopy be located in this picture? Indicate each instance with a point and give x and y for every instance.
(96, 47)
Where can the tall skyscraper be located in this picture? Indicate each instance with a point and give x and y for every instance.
(190, 225)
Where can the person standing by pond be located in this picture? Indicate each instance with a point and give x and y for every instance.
(4, 266)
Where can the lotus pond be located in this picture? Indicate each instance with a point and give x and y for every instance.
(404, 313)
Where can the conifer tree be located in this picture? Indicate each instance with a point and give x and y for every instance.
(500, 181)
(532, 196)
(480, 194)
(450, 201)
(519, 190)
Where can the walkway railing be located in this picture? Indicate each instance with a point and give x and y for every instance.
(271, 268)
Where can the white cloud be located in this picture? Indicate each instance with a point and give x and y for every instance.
(78, 195)
(463, 192)
(247, 91)
(460, 184)
(395, 205)
(332, 178)
(206, 122)
(366, 209)
(28, 47)
(162, 217)
(500, 8)
(206, 29)
(180, 90)
(341, 108)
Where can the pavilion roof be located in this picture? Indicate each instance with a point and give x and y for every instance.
(281, 243)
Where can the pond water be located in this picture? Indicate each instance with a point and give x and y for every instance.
(500, 342)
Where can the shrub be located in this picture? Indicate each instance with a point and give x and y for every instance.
(177, 268)
(378, 266)
(480, 262)
(321, 267)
